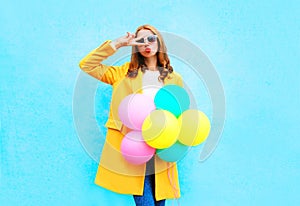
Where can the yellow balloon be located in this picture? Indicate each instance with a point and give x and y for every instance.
(194, 127)
(160, 129)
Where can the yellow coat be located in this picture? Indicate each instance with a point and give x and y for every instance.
(114, 172)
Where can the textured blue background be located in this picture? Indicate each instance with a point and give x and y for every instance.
(254, 46)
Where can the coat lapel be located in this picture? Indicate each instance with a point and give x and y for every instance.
(136, 83)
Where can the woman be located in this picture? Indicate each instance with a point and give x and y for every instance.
(148, 70)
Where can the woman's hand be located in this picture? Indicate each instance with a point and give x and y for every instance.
(127, 40)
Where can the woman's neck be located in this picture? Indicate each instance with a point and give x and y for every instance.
(151, 63)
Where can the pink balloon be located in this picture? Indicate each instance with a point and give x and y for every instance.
(134, 149)
(134, 109)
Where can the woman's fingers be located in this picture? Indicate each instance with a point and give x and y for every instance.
(134, 43)
(130, 40)
(141, 37)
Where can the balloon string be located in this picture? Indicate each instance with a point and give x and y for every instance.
(173, 185)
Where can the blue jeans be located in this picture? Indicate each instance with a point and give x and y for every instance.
(148, 197)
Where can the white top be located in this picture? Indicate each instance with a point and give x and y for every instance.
(151, 84)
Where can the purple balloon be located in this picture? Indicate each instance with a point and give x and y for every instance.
(134, 109)
(134, 149)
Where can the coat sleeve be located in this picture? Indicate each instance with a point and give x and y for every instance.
(91, 64)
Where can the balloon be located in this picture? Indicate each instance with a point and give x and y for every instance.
(160, 129)
(173, 153)
(172, 98)
(133, 110)
(194, 127)
(134, 149)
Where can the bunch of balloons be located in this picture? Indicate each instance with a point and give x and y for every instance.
(166, 125)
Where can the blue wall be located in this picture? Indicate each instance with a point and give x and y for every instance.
(254, 47)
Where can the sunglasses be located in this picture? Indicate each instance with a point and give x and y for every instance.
(150, 39)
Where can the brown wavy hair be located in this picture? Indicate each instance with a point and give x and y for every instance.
(138, 61)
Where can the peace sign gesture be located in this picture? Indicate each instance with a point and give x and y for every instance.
(127, 40)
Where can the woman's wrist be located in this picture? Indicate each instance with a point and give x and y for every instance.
(116, 44)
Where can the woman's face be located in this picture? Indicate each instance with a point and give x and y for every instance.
(151, 48)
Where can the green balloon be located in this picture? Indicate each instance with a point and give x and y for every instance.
(174, 153)
(172, 98)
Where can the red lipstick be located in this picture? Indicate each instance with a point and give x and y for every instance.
(148, 50)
